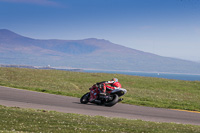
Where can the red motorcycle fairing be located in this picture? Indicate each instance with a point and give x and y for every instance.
(94, 91)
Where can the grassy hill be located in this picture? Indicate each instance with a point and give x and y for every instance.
(86, 53)
(146, 91)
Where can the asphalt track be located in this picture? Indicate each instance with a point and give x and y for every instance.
(30, 99)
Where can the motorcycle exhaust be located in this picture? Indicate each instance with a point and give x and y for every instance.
(97, 101)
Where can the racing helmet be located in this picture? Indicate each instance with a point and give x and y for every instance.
(115, 80)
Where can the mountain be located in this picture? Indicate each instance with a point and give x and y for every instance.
(87, 53)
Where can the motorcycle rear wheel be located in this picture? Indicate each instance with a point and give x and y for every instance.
(85, 98)
(113, 101)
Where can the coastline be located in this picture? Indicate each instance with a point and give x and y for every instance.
(167, 75)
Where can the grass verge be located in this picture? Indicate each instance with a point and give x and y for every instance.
(146, 91)
(29, 120)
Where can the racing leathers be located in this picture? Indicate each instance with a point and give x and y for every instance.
(108, 85)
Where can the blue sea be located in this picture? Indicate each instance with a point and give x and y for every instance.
(189, 77)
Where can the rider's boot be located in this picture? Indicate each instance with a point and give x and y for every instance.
(103, 93)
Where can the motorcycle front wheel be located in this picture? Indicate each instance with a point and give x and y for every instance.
(112, 102)
(85, 98)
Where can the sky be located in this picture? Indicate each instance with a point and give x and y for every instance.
(165, 27)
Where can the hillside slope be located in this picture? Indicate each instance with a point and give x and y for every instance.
(86, 53)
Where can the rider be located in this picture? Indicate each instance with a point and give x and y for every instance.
(105, 85)
(110, 85)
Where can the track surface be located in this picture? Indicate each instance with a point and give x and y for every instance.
(29, 99)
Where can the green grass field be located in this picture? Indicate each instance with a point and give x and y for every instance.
(41, 121)
(146, 91)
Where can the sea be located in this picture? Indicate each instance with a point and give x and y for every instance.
(176, 76)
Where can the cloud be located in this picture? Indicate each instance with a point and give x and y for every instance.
(37, 2)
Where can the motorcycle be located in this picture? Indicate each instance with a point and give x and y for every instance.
(111, 97)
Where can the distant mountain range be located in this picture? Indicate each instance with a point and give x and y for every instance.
(87, 53)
